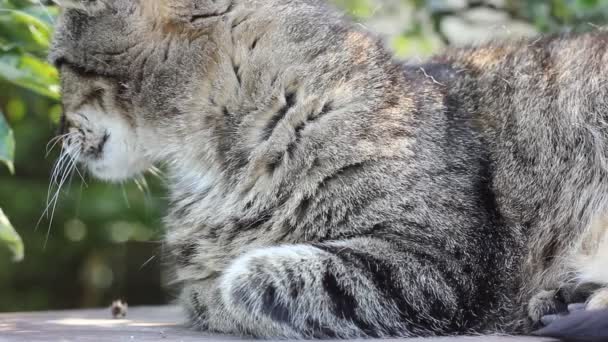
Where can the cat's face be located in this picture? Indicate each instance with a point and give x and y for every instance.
(102, 125)
(121, 65)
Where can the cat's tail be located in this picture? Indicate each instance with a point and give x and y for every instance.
(580, 326)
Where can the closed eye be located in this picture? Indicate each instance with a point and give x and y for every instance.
(78, 69)
(94, 96)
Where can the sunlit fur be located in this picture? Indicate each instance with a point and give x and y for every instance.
(319, 188)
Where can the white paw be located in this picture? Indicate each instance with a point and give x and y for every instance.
(599, 300)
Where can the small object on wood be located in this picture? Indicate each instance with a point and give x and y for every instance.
(119, 309)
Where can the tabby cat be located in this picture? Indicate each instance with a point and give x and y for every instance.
(320, 188)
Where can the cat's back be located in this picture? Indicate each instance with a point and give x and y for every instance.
(539, 106)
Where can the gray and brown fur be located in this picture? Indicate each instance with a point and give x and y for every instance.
(320, 188)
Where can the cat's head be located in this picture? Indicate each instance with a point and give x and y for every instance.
(123, 66)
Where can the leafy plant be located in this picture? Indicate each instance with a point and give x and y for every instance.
(8, 235)
(25, 32)
(7, 144)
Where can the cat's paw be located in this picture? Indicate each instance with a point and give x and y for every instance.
(193, 299)
(546, 303)
(597, 301)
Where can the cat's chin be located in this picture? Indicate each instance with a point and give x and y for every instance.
(116, 172)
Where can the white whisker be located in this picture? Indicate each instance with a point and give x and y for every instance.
(63, 157)
(147, 262)
(63, 171)
(156, 172)
(66, 174)
(81, 176)
(50, 198)
(124, 195)
(57, 140)
(138, 184)
(56, 169)
(144, 182)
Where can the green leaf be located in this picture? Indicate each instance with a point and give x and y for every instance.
(26, 29)
(9, 236)
(7, 144)
(46, 14)
(28, 71)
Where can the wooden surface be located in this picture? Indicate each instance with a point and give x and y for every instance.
(141, 324)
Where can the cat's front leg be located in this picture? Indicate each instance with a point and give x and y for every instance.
(194, 298)
(202, 302)
(207, 311)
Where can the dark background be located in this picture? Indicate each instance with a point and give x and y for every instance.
(104, 241)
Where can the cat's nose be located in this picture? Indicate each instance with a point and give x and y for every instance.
(97, 151)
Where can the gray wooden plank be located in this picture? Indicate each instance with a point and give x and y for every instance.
(142, 324)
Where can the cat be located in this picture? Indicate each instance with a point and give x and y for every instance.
(320, 188)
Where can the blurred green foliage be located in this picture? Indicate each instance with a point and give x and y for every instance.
(423, 36)
(561, 15)
(103, 241)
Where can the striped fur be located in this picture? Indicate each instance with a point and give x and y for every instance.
(320, 188)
